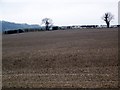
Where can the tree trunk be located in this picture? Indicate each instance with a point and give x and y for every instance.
(47, 27)
(108, 24)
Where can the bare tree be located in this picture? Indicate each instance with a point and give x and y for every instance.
(47, 22)
(107, 17)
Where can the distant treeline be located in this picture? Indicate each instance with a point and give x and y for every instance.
(56, 28)
(20, 31)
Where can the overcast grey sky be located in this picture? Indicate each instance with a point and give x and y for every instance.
(62, 12)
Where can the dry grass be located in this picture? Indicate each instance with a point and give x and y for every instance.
(85, 58)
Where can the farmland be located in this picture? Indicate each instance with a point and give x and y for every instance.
(84, 58)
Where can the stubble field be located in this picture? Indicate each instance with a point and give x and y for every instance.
(85, 58)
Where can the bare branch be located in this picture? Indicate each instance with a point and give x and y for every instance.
(107, 17)
(48, 22)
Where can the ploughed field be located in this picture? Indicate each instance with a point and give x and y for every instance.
(84, 58)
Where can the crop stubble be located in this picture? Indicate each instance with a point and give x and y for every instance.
(85, 58)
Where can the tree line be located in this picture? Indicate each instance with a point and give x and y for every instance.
(107, 17)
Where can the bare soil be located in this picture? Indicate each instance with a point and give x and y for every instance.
(85, 58)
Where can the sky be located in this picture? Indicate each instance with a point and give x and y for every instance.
(62, 12)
